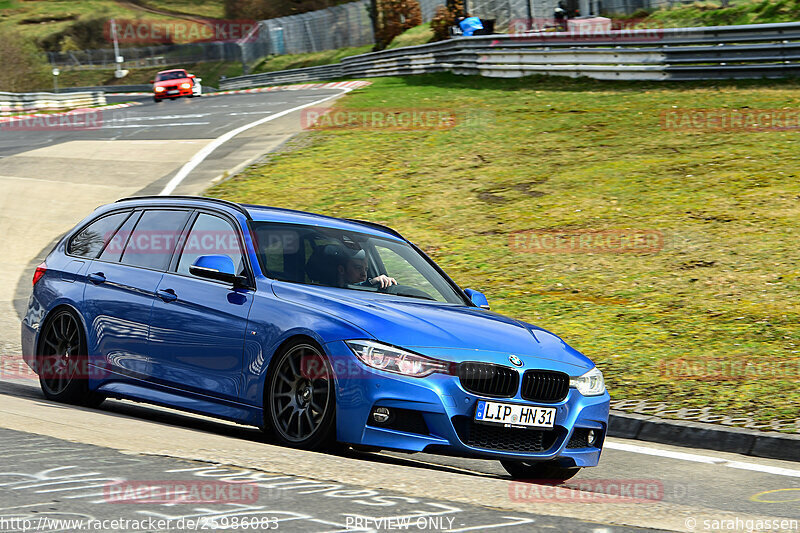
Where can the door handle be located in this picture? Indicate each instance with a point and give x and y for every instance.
(97, 278)
(168, 295)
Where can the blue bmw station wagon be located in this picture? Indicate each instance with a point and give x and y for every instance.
(317, 329)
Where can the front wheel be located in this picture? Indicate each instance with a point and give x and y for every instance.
(539, 470)
(63, 364)
(299, 398)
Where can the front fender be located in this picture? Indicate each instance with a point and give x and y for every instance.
(274, 322)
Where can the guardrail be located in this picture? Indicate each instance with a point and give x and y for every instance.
(706, 53)
(16, 102)
(111, 89)
(324, 72)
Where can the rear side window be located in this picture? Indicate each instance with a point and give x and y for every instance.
(152, 241)
(113, 250)
(94, 237)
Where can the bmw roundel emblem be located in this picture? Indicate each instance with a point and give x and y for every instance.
(516, 361)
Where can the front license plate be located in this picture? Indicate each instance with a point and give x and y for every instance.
(510, 414)
(173, 92)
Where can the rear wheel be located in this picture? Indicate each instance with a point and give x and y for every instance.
(539, 470)
(299, 398)
(62, 361)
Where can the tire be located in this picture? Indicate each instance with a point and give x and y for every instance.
(62, 361)
(299, 398)
(539, 470)
(156, 100)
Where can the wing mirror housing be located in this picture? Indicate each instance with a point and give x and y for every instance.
(217, 267)
(478, 298)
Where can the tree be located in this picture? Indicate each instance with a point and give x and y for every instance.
(393, 17)
(24, 67)
(445, 17)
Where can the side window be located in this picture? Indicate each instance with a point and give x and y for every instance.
(113, 250)
(211, 235)
(152, 241)
(94, 237)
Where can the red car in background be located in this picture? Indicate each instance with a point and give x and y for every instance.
(175, 83)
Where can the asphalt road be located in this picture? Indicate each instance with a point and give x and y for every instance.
(51, 178)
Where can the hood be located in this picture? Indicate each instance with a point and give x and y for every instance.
(443, 330)
(176, 81)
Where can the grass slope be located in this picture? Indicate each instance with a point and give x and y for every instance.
(741, 12)
(562, 154)
(37, 19)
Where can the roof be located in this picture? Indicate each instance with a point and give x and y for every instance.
(262, 213)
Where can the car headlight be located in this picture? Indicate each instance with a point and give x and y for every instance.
(186, 85)
(159, 89)
(390, 359)
(589, 384)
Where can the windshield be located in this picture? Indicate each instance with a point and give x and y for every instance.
(350, 260)
(177, 75)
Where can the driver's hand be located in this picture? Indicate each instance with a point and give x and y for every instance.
(383, 281)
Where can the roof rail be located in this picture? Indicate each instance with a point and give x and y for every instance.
(376, 226)
(226, 203)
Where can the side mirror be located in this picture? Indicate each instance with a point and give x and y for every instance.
(152, 81)
(478, 298)
(191, 75)
(216, 267)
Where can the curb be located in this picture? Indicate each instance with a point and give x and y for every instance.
(766, 444)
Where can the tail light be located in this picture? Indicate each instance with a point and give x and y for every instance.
(40, 270)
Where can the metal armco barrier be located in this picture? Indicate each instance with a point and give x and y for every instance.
(113, 89)
(31, 101)
(325, 72)
(705, 53)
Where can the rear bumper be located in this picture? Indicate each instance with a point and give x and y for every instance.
(447, 410)
(31, 324)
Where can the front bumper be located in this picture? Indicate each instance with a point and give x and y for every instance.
(165, 94)
(435, 414)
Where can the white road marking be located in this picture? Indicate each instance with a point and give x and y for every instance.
(517, 521)
(173, 125)
(219, 141)
(683, 456)
(162, 117)
(250, 113)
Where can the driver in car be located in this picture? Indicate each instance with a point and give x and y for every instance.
(353, 271)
